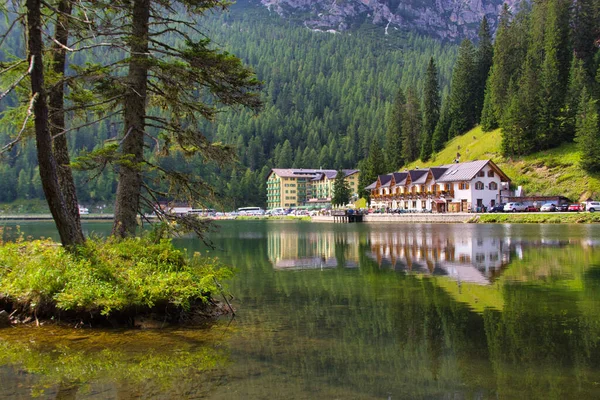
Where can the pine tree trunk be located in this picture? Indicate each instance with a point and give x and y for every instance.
(130, 177)
(65, 223)
(57, 115)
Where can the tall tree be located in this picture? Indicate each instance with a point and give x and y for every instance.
(588, 133)
(462, 91)
(176, 84)
(57, 113)
(341, 190)
(67, 226)
(440, 134)
(483, 62)
(554, 73)
(431, 109)
(393, 136)
(411, 127)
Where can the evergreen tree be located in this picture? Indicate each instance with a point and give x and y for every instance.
(285, 158)
(462, 91)
(341, 190)
(411, 127)
(554, 73)
(509, 51)
(588, 133)
(440, 134)
(585, 31)
(488, 118)
(393, 136)
(578, 79)
(518, 123)
(370, 168)
(431, 109)
(483, 62)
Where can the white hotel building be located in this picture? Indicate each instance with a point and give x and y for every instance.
(458, 187)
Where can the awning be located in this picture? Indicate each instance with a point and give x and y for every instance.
(439, 201)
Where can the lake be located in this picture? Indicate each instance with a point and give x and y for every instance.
(350, 311)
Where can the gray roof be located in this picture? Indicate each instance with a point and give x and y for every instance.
(385, 180)
(400, 177)
(437, 172)
(418, 175)
(314, 174)
(371, 186)
(462, 171)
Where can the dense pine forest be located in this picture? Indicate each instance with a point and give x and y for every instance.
(370, 100)
(326, 97)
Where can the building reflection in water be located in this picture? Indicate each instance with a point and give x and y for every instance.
(313, 250)
(446, 252)
(452, 251)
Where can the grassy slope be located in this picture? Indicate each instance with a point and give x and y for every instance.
(550, 172)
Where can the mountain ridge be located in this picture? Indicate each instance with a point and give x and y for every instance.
(445, 19)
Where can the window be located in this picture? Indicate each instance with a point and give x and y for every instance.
(478, 185)
(493, 186)
(490, 174)
(414, 204)
(481, 173)
(423, 204)
(463, 186)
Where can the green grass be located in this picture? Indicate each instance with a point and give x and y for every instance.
(547, 173)
(104, 277)
(540, 218)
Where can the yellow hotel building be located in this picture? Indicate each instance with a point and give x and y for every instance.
(298, 187)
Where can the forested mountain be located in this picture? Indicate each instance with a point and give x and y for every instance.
(327, 98)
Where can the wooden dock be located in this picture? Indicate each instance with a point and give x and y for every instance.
(346, 216)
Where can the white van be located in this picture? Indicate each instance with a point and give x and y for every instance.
(592, 206)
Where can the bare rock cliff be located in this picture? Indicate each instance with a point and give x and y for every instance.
(446, 19)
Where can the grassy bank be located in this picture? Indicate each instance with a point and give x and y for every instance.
(546, 173)
(106, 281)
(538, 218)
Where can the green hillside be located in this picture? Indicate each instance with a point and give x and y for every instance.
(550, 172)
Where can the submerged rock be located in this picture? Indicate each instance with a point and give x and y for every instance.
(4, 319)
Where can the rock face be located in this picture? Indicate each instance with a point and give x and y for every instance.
(445, 19)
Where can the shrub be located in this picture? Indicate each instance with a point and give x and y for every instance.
(105, 276)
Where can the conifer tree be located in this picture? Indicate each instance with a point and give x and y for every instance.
(554, 72)
(393, 136)
(341, 190)
(285, 158)
(483, 62)
(440, 134)
(431, 109)
(462, 91)
(510, 48)
(578, 79)
(488, 118)
(588, 133)
(411, 127)
(370, 168)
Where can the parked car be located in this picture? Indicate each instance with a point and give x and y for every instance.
(497, 208)
(575, 207)
(592, 206)
(548, 207)
(562, 207)
(515, 206)
(532, 209)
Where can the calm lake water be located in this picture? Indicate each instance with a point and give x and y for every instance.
(351, 311)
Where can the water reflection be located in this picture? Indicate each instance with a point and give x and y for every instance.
(357, 312)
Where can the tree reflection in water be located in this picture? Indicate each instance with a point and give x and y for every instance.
(361, 312)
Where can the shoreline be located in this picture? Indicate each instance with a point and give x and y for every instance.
(446, 218)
